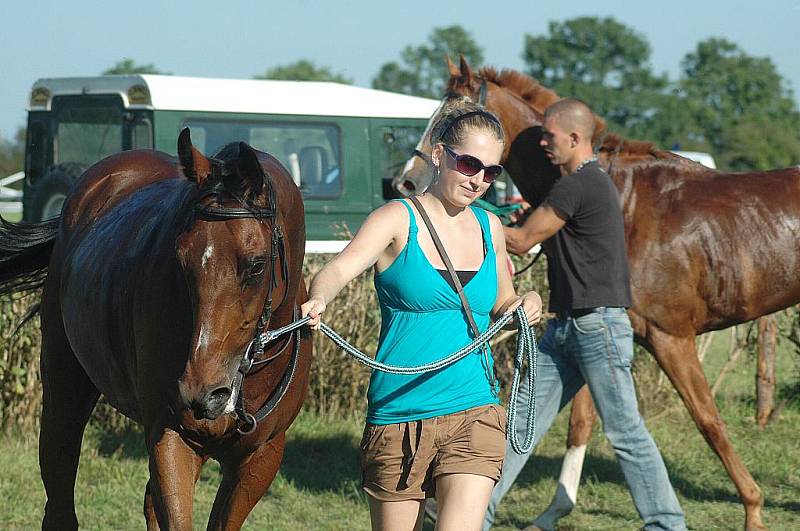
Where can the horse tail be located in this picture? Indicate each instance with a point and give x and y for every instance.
(25, 250)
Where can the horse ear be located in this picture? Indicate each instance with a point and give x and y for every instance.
(196, 167)
(250, 170)
(465, 70)
(452, 69)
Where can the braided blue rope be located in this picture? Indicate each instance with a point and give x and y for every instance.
(526, 351)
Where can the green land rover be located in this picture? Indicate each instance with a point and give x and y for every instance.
(342, 144)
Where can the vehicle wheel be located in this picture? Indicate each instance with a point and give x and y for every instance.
(52, 190)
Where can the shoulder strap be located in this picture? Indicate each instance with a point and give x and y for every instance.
(412, 219)
(439, 247)
(486, 228)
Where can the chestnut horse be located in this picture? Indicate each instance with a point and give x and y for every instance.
(707, 250)
(161, 273)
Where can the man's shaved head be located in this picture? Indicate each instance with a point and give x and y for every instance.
(572, 115)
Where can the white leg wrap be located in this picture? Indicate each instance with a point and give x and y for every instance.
(567, 491)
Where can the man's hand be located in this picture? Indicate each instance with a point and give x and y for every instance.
(540, 225)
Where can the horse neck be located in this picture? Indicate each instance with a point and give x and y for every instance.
(514, 113)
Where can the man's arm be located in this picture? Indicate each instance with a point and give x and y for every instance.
(543, 223)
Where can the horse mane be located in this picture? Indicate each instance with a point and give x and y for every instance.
(530, 90)
(537, 96)
(614, 144)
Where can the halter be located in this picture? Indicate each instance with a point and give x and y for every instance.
(247, 421)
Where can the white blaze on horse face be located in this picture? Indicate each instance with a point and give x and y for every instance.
(206, 255)
(203, 336)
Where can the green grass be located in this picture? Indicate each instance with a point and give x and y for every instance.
(318, 488)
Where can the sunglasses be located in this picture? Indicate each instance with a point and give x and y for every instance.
(469, 166)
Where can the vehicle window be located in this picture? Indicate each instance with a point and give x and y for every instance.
(398, 142)
(142, 135)
(310, 152)
(87, 134)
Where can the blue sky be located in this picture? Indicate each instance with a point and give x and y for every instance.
(236, 38)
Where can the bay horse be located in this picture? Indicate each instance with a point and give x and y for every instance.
(159, 279)
(707, 250)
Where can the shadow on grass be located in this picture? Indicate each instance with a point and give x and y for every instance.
(126, 444)
(321, 463)
(604, 469)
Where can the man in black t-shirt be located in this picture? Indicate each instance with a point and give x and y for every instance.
(590, 340)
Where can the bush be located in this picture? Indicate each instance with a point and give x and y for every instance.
(20, 384)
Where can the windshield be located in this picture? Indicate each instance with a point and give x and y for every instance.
(87, 130)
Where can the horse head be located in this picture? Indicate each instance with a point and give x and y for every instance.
(232, 257)
(519, 102)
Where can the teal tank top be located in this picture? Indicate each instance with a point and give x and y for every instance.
(422, 320)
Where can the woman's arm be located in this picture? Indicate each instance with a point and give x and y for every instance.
(507, 299)
(378, 232)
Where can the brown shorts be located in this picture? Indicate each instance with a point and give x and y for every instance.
(402, 461)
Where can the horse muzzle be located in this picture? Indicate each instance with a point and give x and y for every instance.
(207, 403)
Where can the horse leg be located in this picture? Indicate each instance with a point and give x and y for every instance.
(68, 399)
(581, 421)
(244, 482)
(677, 356)
(149, 508)
(174, 469)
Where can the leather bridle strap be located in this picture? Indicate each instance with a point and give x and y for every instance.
(248, 422)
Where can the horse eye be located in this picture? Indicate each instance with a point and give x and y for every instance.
(255, 271)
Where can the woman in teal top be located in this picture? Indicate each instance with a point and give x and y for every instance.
(440, 432)
(415, 297)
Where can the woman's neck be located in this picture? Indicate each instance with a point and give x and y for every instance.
(433, 199)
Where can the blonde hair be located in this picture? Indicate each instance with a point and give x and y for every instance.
(461, 116)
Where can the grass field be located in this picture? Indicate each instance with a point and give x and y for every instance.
(317, 487)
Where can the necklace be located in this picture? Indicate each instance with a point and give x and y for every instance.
(584, 163)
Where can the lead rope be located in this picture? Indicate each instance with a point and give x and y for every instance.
(526, 351)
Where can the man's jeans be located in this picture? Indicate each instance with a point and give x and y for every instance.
(597, 348)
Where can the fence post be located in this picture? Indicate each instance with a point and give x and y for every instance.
(765, 377)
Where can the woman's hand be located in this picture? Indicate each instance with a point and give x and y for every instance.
(313, 307)
(531, 302)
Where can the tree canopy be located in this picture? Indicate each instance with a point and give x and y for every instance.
(742, 106)
(127, 67)
(722, 100)
(304, 70)
(12, 152)
(602, 62)
(421, 70)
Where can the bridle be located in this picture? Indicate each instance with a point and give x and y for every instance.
(247, 422)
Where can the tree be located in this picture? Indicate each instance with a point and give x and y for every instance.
(127, 67)
(604, 63)
(745, 112)
(304, 70)
(12, 153)
(422, 70)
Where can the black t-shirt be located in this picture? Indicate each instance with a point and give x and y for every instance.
(587, 261)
